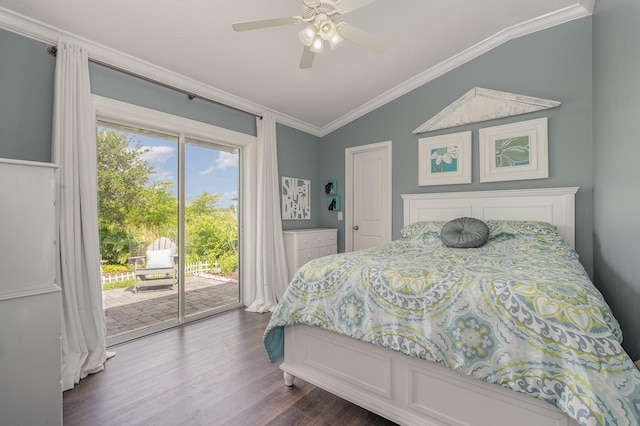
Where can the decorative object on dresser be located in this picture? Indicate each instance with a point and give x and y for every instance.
(303, 245)
(30, 301)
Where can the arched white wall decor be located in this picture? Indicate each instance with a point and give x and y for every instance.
(480, 104)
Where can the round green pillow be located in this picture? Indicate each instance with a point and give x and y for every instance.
(465, 232)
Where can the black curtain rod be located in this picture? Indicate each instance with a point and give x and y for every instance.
(53, 51)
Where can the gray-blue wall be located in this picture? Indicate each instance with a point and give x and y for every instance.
(616, 65)
(26, 98)
(298, 155)
(553, 64)
(117, 85)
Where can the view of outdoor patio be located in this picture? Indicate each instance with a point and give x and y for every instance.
(127, 311)
(151, 197)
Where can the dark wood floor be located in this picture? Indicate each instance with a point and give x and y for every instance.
(213, 372)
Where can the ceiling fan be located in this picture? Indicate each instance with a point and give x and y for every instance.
(323, 24)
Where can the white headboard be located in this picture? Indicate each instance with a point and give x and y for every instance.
(553, 205)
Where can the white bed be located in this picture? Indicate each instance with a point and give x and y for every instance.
(410, 391)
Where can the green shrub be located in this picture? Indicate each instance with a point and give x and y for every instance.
(115, 243)
(116, 268)
(228, 262)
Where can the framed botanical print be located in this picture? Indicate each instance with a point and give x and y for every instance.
(515, 151)
(444, 159)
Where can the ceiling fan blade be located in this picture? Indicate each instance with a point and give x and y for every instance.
(350, 5)
(265, 23)
(306, 61)
(363, 38)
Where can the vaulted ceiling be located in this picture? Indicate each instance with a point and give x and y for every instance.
(193, 39)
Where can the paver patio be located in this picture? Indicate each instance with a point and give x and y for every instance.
(127, 311)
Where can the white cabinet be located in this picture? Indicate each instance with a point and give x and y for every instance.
(30, 303)
(303, 245)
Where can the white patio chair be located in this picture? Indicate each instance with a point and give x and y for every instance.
(157, 267)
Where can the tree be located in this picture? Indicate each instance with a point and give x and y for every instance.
(205, 203)
(156, 214)
(212, 233)
(122, 176)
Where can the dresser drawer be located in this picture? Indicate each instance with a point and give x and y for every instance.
(316, 239)
(327, 250)
(329, 239)
(305, 255)
(303, 245)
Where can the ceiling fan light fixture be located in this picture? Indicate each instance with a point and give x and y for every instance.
(317, 45)
(336, 41)
(327, 29)
(308, 35)
(322, 20)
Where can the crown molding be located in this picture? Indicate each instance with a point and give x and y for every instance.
(585, 8)
(297, 124)
(20, 24)
(589, 5)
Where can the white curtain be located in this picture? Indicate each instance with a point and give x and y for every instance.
(270, 275)
(78, 255)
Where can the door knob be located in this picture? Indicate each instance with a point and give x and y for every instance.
(355, 228)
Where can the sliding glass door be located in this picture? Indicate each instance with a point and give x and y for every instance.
(211, 180)
(168, 218)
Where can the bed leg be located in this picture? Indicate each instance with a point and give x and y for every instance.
(288, 379)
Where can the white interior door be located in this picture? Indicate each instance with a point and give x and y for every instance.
(368, 196)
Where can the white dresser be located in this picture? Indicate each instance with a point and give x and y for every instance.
(303, 245)
(30, 301)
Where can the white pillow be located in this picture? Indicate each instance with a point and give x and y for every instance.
(160, 258)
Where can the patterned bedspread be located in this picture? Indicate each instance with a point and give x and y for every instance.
(520, 312)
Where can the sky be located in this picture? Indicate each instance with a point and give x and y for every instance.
(206, 169)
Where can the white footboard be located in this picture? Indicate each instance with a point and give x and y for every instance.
(406, 390)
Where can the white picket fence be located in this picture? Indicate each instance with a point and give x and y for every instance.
(190, 269)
